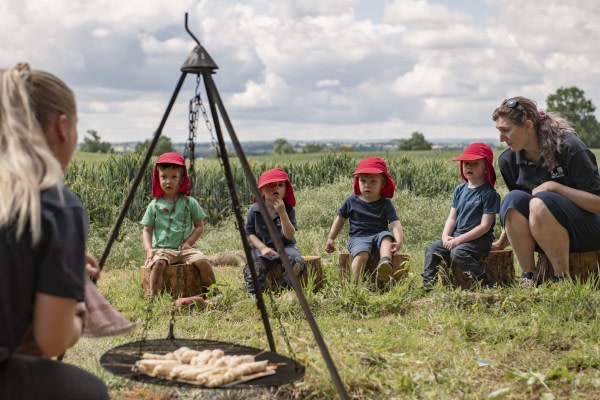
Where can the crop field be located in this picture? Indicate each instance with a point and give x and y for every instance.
(398, 343)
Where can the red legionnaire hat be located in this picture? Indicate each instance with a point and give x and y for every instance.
(375, 165)
(278, 175)
(477, 151)
(175, 159)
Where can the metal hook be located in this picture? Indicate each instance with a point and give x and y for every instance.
(190, 32)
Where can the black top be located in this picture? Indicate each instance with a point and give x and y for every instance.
(576, 168)
(55, 266)
(255, 225)
(367, 218)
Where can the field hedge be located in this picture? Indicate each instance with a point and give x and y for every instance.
(103, 186)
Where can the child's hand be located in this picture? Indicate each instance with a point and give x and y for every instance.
(279, 206)
(91, 267)
(185, 246)
(395, 248)
(267, 251)
(330, 246)
(150, 254)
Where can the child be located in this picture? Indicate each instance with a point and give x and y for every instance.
(370, 210)
(43, 229)
(278, 194)
(173, 222)
(469, 229)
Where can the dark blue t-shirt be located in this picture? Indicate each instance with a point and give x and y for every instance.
(576, 168)
(255, 225)
(471, 204)
(54, 266)
(367, 218)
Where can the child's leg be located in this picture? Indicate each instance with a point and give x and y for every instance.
(385, 248)
(156, 275)
(261, 270)
(466, 256)
(358, 265)
(207, 275)
(434, 255)
(296, 262)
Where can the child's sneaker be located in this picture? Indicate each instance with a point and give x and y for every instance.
(527, 280)
(384, 271)
(298, 267)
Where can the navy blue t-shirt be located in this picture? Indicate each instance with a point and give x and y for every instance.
(255, 225)
(54, 266)
(471, 204)
(576, 168)
(367, 218)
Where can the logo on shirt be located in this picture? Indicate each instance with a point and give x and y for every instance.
(557, 173)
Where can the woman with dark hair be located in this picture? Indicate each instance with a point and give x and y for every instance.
(553, 205)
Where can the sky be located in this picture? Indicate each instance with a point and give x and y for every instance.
(365, 70)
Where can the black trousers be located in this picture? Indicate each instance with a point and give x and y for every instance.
(26, 377)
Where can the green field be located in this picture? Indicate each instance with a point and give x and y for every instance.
(397, 344)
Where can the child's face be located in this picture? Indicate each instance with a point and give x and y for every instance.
(474, 170)
(370, 185)
(273, 191)
(170, 179)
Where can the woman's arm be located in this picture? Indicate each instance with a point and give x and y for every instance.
(56, 326)
(588, 201)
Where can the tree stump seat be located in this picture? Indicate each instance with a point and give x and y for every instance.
(314, 273)
(582, 266)
(498, 264)
(179, 280)
(399, 271)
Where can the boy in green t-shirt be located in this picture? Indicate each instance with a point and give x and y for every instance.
(173, 222)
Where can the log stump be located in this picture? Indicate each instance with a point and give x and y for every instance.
(314, 273)
(399, 271)
(498, 264)
(582, 266)
(179, 280)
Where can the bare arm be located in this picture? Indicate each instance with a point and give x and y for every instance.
(260, 246)
(56, 327)
(286, 225)
(449, 226)
(588, 201)
(336, 227)
(147, 241)
(194, 236)
(398, 236)
(486, 223)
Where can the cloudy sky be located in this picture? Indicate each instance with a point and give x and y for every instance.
(308, 69)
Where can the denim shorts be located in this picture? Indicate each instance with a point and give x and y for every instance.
(370, 244)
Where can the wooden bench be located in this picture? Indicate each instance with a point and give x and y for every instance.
(582, 266)
(399, 270)
(314, 273)
(498, 264)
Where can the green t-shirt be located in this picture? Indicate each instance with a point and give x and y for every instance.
(172, 223)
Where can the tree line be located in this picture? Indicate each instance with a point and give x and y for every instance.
(569, 102)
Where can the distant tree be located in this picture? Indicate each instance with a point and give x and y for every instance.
(312, 148)
(281, 146)
(93, 144)
(571, 103)
(163, 145)
(416, 142)
(346, 148)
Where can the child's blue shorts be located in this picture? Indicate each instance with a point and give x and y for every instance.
(370, 244)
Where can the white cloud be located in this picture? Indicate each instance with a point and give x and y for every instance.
(314, 68)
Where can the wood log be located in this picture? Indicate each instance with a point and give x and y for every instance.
(399, 270)
(235, 258)
(498, 264)
(582, 266)
(314, 273)
(180, 280)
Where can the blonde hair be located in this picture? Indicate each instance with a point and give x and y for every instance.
(30, 101)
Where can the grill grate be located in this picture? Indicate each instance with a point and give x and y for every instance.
(121, 359)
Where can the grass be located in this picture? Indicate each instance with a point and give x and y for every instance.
(399, 344)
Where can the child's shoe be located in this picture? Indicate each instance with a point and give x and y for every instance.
(299, 267)
(384, 270)
(527, 280)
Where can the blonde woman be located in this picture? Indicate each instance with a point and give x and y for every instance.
(43, 227)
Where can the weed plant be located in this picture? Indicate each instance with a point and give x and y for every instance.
(399, 343)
